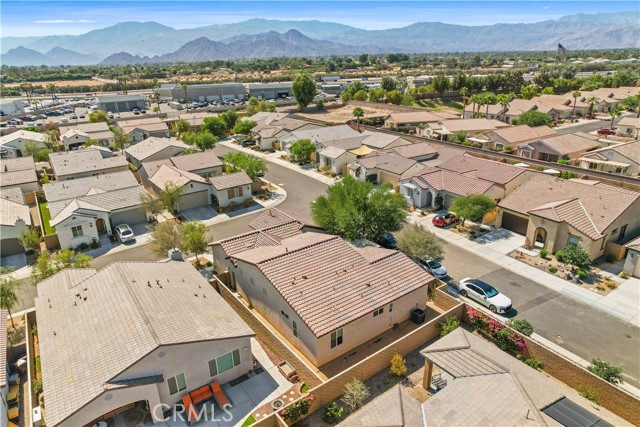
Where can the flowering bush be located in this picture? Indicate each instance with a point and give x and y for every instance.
(297, 409)
(505, 338)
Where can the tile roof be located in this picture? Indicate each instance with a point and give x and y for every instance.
(393, 408)
(494, 109)
(346, 143)
(332, 152)
(17, 164)
(630, 121)
(488, 170)
(328, 282)
(570, 143)
(452, 182)
(231, 180)
(13, 194)
(519, 106)
(73, 188)
(152, 145)
(602, 204)
(22, 134)
(634, 244)
(101, 202)
(630, 150)
(277, 216)
(72, 162)
(149, 127)
(385, 162)
(411, 151)
(17, 177)
(472, 125)
(167, 173)
(263, 237)
(381, 140)
(416, 117)
(322, 134)
(3, 348)
(264, 116)
(196, 161)
(522, 133)
(10, 212)
(88, 128)
(93, 325)
(73, 132)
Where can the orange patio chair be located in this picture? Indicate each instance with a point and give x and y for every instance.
(219, 395)
(189, 408)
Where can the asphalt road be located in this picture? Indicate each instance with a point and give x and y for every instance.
(589, 126)
(575, 326)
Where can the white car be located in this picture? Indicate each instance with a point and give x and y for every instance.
(485, 294)
(125, 234)
(434, 267)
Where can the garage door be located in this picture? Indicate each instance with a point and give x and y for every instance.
(131, 216)
(514, 223)
(448, 200)
(10, 247)
(194, 200)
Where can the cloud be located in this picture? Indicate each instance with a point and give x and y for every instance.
(546, 7)
(64, 21)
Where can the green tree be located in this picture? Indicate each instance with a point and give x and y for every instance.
(49, 264)
(244, 127)
(547, 90)
(376, 95)
(152, 204)
(171, 196)
(320, 104)
(576, 256)
(472, 207)
(604, 370)
(440, 84)
(230, 118)
(464, 91)
(304, 90)
(42, 155)
(184, 90)
(614, 112)
(353, 208)
(120, 140)
(534, 118)
(164, 237)
(51, 139)
(29, 238)
(528, 92)
(388, 83)
(89, 142)
(361, 95)
(51, 90)
(253, 166)
(182, 126)
(351, 90)
(504, 99)
(418, 242)
(9, 289)
(302, 150)
(358, 113)
(98, 116)
(394, 97)
(215, 125)
(489, 99)
(31, 148)
(575, 95)
(205, 140)
(194, 238)
(592, 100)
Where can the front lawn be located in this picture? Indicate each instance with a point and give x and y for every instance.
(46, 217)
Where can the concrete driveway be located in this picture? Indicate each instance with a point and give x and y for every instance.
(201, 213)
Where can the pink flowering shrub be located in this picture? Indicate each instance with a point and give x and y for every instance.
(504, 337)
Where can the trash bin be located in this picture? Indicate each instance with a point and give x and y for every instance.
(417, 316)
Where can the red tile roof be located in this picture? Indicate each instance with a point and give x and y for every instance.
(264, 237)
(452, 182)
(489, 170)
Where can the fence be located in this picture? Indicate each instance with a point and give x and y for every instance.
(619, 251)
(331, 389)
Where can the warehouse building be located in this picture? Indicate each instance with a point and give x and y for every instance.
(121, 103)
(270, 90)
(207, 92)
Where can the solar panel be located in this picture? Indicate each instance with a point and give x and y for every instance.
(569, 414)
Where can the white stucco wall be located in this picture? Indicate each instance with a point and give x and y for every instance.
(223, 196)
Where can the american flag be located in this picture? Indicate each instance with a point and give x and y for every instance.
(561, 49)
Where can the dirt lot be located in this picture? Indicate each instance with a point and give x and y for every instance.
(344, 114)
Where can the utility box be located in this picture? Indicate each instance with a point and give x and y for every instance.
(36, 417)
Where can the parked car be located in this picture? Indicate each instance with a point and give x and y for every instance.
(247, 142)
(388, 240)
(606, 131)
(434, 267)
(82, 116)
(125, 234)
(485, 294)
(444, 219)
(136, 112)
(14, 121)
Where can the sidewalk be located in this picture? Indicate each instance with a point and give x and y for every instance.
(622, 303)
(143, 235)
(275, 158)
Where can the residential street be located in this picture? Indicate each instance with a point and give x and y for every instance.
(580, 329)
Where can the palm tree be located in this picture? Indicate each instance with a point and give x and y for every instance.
(475, 100)
(504, 99)
(51, 89)
(575, 94)
(614, 112)
(490, 99)
(155, 82)
(464, 92)
(357, 113)
(184, 88)
(9, 287)
(592, 101)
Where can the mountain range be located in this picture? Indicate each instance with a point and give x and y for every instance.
(260, 38)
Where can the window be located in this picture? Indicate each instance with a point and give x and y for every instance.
(295, 329)
(77, 231)
(623, 230)
(498, 145)
(286, 316)
(223, 363)
(573, 240)
(234, 192)
(177, 384)
(336, 338)
(525, 154)
(378, 312)
(390, 307)
(409, 192)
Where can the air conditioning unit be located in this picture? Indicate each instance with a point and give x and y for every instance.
(36, 417)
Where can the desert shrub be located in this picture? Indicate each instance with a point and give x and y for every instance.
(611, 258)
(604, 370)
(398, 367)
(332, 413)
(588, 394)
(560, 256)
(543, 253)
(553, 270)
(521, 325)
(37, 386)
(536, 364)
(355, 393)
(449, 325)
(583, 274)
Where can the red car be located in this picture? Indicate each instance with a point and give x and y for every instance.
(607, 131)
(442, 220)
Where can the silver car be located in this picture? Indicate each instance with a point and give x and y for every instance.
(125, 233)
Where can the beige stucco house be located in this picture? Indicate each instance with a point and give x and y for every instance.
(553, 213)
(381, 166)
(133, 334)
(629, 126)
(18, 172)
(632, 261)
(567, 146)
(83, 163)
(323, 295)
(154, 148)
(73, 137)
(196, 190)
(14, 217)
(622, 159)
(14, 144)
(233, 188)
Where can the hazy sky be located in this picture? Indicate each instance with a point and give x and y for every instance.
(38, 18)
